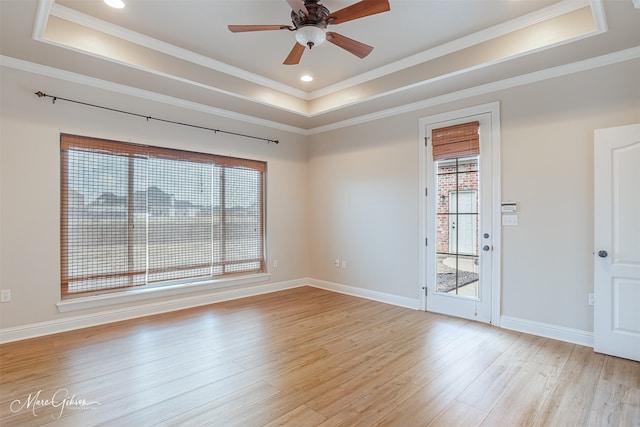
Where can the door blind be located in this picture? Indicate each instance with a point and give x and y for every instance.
(456, 141)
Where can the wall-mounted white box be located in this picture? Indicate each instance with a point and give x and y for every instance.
(509, 207)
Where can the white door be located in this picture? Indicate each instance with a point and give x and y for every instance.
(617, 241)
(462, 273)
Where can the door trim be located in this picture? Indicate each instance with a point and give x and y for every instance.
(492, 108)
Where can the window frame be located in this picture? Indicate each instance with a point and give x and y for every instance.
(125, 149)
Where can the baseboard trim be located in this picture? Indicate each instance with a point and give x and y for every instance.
(34, 330)
(116, 315)
(366, 293)
(561, 333)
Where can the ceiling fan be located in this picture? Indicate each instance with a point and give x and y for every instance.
(310, 20)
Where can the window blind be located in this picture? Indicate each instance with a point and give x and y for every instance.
(456, 141)
(134, 215)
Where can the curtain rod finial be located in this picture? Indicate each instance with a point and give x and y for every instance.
(40, 94)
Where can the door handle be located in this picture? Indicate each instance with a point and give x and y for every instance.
(602, 254)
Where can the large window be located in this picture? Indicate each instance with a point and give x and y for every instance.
(134, 215)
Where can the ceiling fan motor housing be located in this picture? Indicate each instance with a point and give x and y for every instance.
(317, 15)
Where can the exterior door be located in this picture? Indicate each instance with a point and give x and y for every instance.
(617, 241)
(461, 263)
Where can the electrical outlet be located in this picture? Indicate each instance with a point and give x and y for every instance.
(591, 299)
(275, 263)
(5, 295)
(344, 264)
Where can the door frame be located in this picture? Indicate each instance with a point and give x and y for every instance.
(493, 109)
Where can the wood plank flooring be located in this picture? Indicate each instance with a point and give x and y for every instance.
(309, 357)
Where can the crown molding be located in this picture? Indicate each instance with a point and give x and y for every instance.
(439, 78)
(599, 17)
(84, 80)
(49, 7)
(42, 17)
(537, 76)
(162, 47)
(183, 80)
(550, 73)
(478, 37)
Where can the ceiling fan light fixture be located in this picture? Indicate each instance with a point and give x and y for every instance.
(310, 35)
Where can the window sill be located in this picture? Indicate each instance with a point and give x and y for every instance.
(133, 295)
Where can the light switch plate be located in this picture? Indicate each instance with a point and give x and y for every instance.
(510, 220)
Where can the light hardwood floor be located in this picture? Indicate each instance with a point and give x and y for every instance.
(308, 357)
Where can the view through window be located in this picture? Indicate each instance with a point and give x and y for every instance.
(457, 229)
(456, 151)
(134, 215)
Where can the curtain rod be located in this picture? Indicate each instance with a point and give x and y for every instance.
(54, 98)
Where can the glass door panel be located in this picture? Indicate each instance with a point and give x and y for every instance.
(457, 253)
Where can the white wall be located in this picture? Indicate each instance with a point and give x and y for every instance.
(364, 185)
(547, 166)
(30, 180)
(350, 194)
(364, 206)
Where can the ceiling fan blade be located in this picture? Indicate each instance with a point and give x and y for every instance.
(295, 55)
(357, 48)
(298, 6)
(358, 10)
(245, 28)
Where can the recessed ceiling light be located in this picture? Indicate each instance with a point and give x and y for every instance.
(306, 78)
(118, 4)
